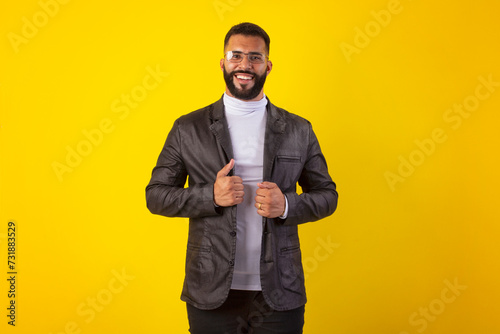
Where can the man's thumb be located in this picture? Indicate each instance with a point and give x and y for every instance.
(226, 169)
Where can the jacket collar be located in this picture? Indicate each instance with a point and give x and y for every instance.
(275, 129)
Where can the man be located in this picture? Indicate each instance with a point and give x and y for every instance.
(244, 157)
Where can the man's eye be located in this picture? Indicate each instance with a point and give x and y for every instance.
(255, 57)
(236, 56)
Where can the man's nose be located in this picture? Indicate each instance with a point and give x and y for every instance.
(245, 63)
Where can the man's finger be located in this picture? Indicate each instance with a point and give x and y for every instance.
(266, 185)
(236, 179)
(226, 169)
(238, 186)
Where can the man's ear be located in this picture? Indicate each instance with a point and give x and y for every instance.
(222, 64)
(269, 67)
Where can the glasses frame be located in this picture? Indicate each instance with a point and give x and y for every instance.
(229, 54)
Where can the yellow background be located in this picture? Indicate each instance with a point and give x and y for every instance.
(395, 246)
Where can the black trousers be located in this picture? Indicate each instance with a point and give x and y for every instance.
(245, 312)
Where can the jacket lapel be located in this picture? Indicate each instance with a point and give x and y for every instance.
(275, 129)
(220, 129)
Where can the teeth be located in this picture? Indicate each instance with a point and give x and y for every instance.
(243, 77)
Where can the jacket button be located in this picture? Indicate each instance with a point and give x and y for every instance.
(231, 263)
(233, 234)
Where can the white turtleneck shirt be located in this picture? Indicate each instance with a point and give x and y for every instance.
(247, 125)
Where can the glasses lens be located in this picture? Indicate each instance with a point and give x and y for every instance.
(237, 57)
(234, 56)
(256, 58)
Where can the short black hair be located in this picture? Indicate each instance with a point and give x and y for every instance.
(248, 29)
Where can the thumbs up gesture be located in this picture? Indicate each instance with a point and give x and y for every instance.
(228, 190)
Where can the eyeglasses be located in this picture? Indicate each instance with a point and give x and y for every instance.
(253, 57)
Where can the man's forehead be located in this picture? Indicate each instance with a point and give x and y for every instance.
(252, 43)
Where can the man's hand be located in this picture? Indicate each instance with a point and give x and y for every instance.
(270, 201)
(228, 190)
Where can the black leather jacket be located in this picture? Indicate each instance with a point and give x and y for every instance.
(198, 146)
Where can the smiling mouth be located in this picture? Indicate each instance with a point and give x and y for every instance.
(244, 76)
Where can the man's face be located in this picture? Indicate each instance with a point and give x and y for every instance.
(245, 80)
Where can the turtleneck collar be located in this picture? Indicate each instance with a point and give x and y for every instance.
(238, 107)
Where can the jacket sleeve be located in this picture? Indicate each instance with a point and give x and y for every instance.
(319, 196)
(166, 193)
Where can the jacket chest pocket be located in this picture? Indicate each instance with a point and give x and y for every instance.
(286, 171)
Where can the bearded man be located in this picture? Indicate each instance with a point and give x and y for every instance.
(243, 158)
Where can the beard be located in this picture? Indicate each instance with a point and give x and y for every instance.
(245, 94)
